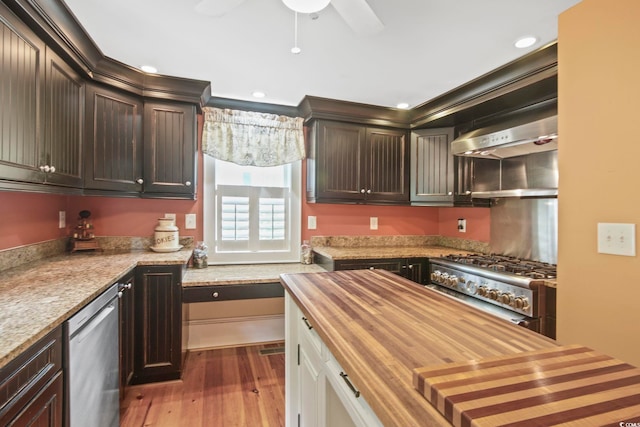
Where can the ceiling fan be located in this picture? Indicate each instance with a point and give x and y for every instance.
(356, 13)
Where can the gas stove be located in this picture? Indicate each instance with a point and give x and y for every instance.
(505, 286)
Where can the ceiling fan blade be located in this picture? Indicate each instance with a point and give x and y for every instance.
(216, 7)
(359, 16)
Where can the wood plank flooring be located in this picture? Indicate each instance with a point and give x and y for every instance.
(222, 387)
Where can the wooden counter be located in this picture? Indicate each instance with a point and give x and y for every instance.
(380, 327)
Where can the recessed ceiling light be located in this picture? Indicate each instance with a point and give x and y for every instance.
(258, 94)
(402, 105)
(149, 69)
(523, 42)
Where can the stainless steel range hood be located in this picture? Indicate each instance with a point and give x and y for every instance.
(509, 139)
(517, 158)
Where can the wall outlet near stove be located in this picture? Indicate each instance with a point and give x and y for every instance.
(617, 239)
(373, 223)
(462, 225)
(62, 219)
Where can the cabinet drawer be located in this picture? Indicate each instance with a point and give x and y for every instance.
(349, 395)
(25, 376)
(231, 292)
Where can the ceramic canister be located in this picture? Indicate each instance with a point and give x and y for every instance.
(166, 234)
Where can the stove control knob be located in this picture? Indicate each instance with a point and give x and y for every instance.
(506, 298)
(482, 291)
(472, 287)
(521, 303)
(493, 294)
(453, 281)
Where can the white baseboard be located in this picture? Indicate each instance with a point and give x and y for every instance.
(235, 331)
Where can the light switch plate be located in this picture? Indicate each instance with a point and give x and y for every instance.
(311, 222)
(373, 223)
(617, 239)
(62, 219)
(190, 221)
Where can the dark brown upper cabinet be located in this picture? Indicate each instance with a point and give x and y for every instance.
(432, 167)
(170, 148)
(351, 163)
(41, 119)
(114, 141)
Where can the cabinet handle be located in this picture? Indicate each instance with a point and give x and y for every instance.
(410, 266)
(188, 183)
(306, 322)
(449, 193)
(45, 168)
(140, 181)
(353, 389)
(372, 268)
(215, 295)
(369, 191)
(362, 190)
(52, 169)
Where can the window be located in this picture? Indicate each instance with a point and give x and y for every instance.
(252, 214)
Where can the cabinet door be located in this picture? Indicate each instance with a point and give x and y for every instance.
(386, 165)
(21, 85)
(126, 332)
(170, 148)
(417, 270)
(114, 141)
(339, 173)
(432, 166)
(158, 324)
(45, 409)
(64, 119)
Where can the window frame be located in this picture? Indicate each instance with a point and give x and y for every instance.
(219, 254)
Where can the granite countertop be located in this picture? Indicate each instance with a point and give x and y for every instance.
(244, 274)
(37, 297)
(346, 253)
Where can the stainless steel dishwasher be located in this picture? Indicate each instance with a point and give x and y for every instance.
(93, 363)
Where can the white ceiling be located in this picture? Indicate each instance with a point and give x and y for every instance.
(427, 47)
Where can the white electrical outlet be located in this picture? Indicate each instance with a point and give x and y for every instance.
(462, 225)
(617, 239)
(170, 215)
(62, 219)
(190, 221)
(373, 223)
(311, 222)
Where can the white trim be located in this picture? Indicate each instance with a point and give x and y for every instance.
(235, 331)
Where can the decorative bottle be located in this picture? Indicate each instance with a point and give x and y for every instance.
(306, 253)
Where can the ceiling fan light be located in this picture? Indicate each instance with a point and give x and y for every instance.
(306, 6)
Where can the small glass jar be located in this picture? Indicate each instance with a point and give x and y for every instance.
(200, 255)
(306, 253)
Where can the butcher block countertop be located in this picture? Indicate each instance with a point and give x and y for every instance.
(538, 388)
(380, 327)
(37, 297)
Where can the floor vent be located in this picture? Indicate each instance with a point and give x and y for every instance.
(270, 351)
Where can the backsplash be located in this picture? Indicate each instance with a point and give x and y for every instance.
(21, 255)
(387, 241)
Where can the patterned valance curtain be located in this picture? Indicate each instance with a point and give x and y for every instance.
(252, 139)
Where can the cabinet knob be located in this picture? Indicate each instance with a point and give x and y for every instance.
(369, 191)
(371, 268)
(215, 295)
(188, 183)
(140, 181)
(362, 190)
(450, 193)
(45, 168)
(52, 169)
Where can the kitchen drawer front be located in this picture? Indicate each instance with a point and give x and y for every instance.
(23, 378)
(231, 292)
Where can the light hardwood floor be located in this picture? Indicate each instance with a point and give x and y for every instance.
(223, 387)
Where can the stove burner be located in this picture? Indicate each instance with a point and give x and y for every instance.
(503, 263)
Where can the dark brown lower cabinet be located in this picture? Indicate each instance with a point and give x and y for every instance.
(31, 385)
(416, 269)
(158, 323)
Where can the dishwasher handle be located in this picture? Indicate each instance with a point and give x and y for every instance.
(85, 330)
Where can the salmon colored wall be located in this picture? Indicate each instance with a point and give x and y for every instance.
(27, 218)
(599, 90)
